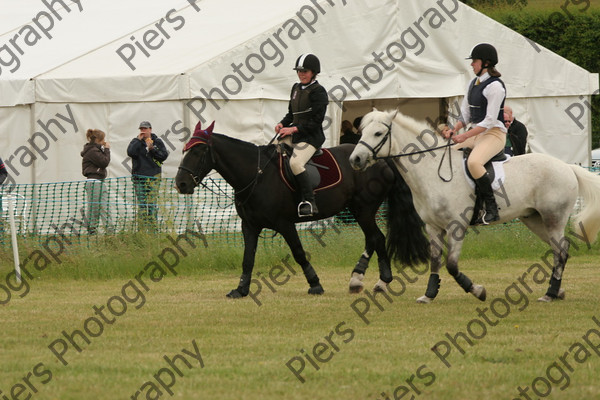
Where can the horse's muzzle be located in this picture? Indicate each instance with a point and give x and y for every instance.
(358, 162)
(183, 188)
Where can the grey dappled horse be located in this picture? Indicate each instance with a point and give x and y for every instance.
(539, 189)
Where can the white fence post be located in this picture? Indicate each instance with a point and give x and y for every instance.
(13, 235)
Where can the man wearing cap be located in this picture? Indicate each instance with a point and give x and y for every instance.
(483, 108)
(147, 152)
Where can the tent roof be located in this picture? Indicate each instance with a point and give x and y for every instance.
(83, 27)
(196, 52)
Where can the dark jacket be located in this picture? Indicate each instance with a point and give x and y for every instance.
(306, 111)
(95, 160)
(517, 132)
(350, 137)
(144, 162)
(3, 172)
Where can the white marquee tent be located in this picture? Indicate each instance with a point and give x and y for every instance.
(114, 63)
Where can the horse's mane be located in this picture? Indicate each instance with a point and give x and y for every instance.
(416, 127)
(231, 141)
(407, 123)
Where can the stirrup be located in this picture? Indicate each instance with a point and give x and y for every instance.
(305, 203)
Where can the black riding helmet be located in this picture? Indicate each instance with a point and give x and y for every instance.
(486, 53)
(308, 61)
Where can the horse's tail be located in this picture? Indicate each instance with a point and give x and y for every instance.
(587, 221)
(406, 239)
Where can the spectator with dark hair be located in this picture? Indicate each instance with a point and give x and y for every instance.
(3, 176)
(95, 158)
(348, 135)
(147, 152)
(516, 138)
(3, 172)
(356, 124)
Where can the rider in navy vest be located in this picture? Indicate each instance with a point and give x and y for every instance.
(302, 126)
(483, 108)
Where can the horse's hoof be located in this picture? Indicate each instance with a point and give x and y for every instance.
(479, 292)
(547, 299)
(356, 289)
(316, 290)
(356, 284)
(234, 294)
(380, 287)
(424, 300)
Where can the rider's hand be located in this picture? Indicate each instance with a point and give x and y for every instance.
(283, 132)
(278, 127)
(459, 138)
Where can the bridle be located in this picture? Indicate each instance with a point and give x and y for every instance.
(387, 136)
(251, 186)
(375, 150)
(194, 176)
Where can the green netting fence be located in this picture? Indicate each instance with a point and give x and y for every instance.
(85, 211)
(89, 210)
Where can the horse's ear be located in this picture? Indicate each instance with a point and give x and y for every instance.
(374, 109)
(198, 128)
(209, 130)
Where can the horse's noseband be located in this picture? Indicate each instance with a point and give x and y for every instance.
(189, 171)
(194, 175)
(375, 150)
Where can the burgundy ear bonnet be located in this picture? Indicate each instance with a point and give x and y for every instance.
(200, 136)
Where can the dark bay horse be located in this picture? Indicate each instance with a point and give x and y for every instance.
(263, 200)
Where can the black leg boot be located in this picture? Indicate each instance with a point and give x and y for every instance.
(487, 194)
(307, 206)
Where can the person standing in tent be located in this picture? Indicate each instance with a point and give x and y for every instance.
(348, 135)
(483, 107)
(516, 137)
(302, 126)
(95, 158)
(147, 152)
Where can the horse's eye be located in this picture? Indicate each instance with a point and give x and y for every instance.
(378, 134)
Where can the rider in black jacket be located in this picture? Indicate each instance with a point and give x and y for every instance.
(302, 126)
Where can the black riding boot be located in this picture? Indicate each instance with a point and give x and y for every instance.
(487, 194)
(308, 206)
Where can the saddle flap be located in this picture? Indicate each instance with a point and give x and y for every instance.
(324, 170)
(494, 167)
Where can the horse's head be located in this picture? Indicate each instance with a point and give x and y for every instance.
(197, 160)
(376, 130)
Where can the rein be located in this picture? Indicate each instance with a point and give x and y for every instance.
(388, 135)
(251, 186)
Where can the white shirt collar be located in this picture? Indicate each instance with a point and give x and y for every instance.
(483, 77)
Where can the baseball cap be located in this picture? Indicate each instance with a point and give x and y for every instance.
(145, 124)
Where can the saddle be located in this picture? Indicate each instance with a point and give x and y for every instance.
(323, 169)
(494, 168)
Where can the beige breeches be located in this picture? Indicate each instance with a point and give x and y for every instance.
(485, 146)
(301, 155)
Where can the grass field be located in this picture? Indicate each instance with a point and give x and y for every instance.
(341, 345)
